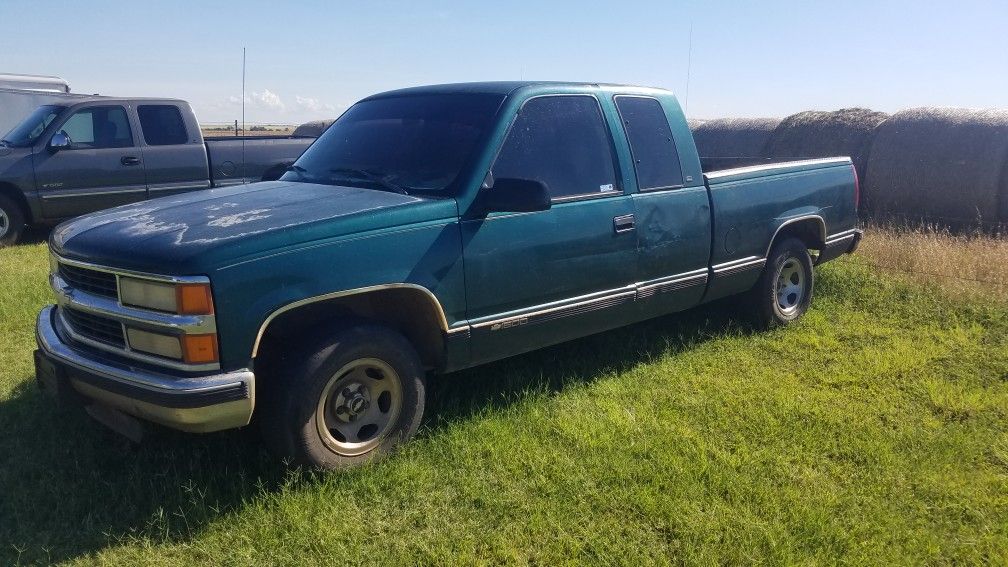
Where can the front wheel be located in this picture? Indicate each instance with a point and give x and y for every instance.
(12, 221)
(784, 291)
(350, 398)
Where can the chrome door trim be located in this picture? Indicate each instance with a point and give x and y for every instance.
(67, 193)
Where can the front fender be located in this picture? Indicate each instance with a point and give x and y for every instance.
(248, 294)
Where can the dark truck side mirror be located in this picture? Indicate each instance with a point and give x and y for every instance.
(512, 195)
(60, 141)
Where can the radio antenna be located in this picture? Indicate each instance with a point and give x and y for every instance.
(244, 177)
(689, 66)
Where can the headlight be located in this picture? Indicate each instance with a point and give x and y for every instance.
(182, 298)
(191, 349)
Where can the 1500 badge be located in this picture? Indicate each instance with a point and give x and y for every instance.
(509, 323)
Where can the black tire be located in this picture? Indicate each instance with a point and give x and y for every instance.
(311, 409)
(784, 290)
(12, 221)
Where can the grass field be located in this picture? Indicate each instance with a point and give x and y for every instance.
(873, 432)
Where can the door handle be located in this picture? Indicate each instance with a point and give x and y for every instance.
(130, 160)
(623, 223)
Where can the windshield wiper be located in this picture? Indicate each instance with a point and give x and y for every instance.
(366, 175)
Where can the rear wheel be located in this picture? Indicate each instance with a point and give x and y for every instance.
(347, 399)
(12, 221)
(784, 291)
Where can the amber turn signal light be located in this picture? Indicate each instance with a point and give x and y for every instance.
(199, 349)
(194, 299)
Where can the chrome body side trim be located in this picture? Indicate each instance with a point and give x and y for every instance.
(840, 236)
(179, 186)
(736, 266)
(443, 320)
(777, 166)
(66, 194)
(573, 304)
(672, 283)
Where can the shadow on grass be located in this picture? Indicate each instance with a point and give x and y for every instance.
(35, 234)
(70, 487)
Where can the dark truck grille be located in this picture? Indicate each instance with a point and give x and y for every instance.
(91, 281)
(95, 327)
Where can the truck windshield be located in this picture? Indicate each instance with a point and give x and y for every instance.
(412, 143)
(28, 131)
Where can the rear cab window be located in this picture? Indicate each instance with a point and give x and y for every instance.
(655, 157)
(564, 142)
(162, 124)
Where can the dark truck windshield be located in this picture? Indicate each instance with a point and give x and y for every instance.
(412, 143)
(28, 131)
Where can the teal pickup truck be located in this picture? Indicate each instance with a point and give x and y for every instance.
(428, 230)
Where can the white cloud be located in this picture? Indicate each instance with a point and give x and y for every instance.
(312, 104)
(267, 99)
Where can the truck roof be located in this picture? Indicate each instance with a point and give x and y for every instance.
(503, 88)
(80, 99)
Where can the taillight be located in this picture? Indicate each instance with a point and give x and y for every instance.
(857, 189)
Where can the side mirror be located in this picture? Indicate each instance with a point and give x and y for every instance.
(511, 195)
(60, 141)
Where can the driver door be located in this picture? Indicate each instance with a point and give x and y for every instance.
(101, 168)
(539, 278)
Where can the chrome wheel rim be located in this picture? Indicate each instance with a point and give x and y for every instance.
(359, 407)
(4, 223)
(790, 286)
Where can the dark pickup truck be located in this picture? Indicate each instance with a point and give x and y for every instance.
(92, 153)
(427, 230)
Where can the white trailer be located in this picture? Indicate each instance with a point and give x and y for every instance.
(21, 94)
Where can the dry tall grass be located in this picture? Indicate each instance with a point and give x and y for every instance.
(973, 264)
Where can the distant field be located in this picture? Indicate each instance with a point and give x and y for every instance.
(216, 130)
(873, 432)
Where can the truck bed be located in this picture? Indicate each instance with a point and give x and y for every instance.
(265, 157)
(750, 203)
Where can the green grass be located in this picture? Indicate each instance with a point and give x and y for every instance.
(873, 432)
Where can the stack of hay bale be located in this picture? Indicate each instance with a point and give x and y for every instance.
(947, 165)
(818, 134)
(941, 164)
(733, 142)
(312, 129)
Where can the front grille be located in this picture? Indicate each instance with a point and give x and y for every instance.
(91, 281)
(95, 327)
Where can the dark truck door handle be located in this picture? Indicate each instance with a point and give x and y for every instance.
(624, 223)
(130, 160)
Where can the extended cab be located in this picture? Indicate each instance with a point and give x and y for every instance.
(90, 153)
(429, 229)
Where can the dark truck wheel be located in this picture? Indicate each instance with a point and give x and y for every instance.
(12, 221)
(784, 290)
(344, 400)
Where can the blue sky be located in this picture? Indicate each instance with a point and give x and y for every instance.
(312, 59)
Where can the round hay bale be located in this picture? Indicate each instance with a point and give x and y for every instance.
(312, 129)
(940, 164)
(733, 142)
(817, 134)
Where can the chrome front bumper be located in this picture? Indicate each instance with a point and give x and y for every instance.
(197, 404)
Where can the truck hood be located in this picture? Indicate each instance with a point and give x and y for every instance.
(198, 232)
